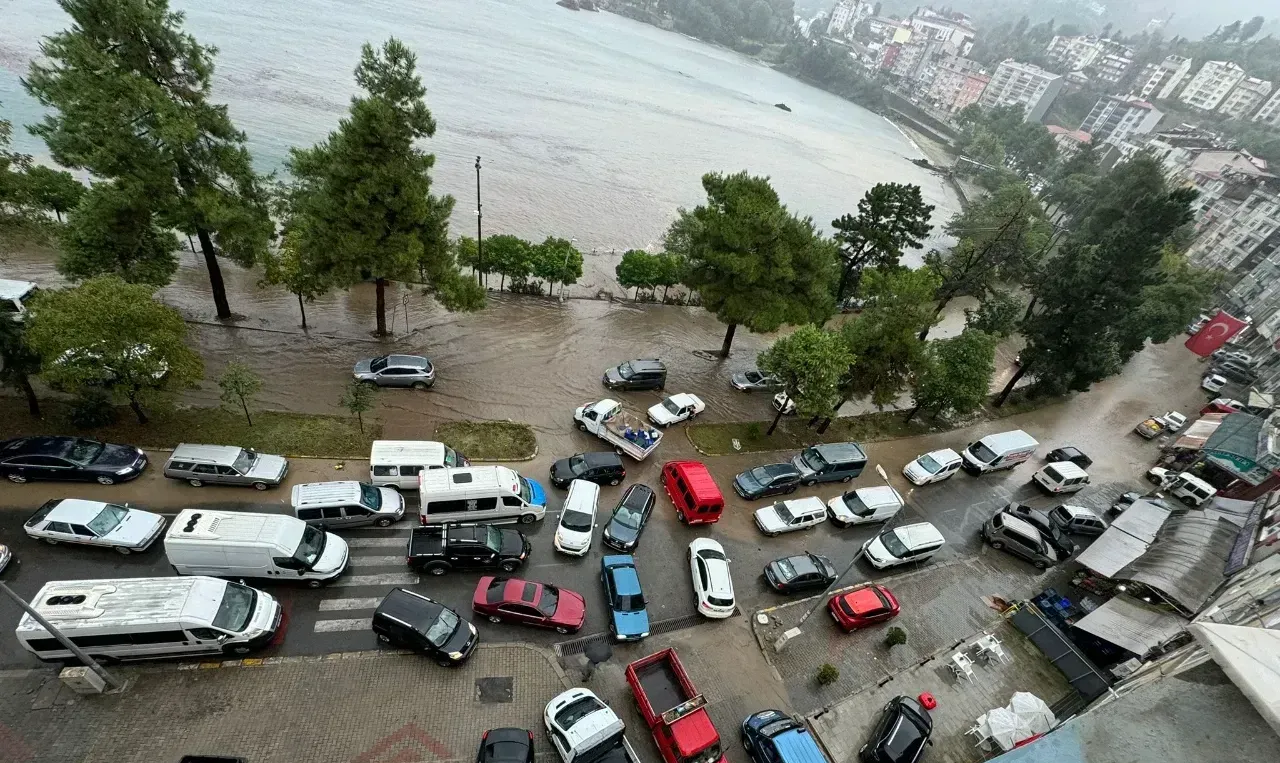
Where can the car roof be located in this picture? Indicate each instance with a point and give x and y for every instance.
(944, 455)
(409, 607)
(1070, 450)
(216, 453)
(11, 289)
(410, 361)
(841, 451)
(1066, 469)
(879, 495)
(1079, 511)
(699, 480)
(718, 579)
(918, 534)
(75, 510)
(43, 446)
(647, 364)
(637, 497)
(797, 745)
(806, 505)
(602, 458)
(863, 599)
(1019, 525)
(777, 469)
(685, 398)
(624, 575)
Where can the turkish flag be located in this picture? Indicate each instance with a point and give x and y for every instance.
(1214, 334)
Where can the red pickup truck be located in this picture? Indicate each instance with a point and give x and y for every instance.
(675, 711)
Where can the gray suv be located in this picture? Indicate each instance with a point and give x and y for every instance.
(1020, 538)
(396, 371)
(644, 373)
(225, 465)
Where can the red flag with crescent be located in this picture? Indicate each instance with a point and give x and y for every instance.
(1214, 334)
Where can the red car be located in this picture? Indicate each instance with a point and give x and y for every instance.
(863, 606)
(520, 601)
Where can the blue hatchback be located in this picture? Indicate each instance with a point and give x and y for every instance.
(628, 618)
(771, 736)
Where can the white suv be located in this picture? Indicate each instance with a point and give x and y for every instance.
(712, 584)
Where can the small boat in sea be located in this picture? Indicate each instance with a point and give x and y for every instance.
(782, 106)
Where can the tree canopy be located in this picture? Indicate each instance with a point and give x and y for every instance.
(114, 231)
(809, 362)
(956, 374)
(884, 338)
(891, 217)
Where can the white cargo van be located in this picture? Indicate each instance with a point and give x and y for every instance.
(1061, 477)
(238, 544)
(998, 451)
(141, 618)
(397, 463)
(479, 494)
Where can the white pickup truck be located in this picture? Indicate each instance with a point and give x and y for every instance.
(609, 421)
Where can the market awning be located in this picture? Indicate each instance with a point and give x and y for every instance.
(1132, 625)
(1195, 436)
(1251, 659)
(1238, 446)
(1185, 563)
(1126, 539)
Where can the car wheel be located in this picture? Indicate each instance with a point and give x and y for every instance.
(561, 629)
(509, 566)
(680, 517)
(384, 522)
(195, 483)
(846, 478)
(105, 480)
(773, 534)
(241, 650)
(313, 583)
(614, 481)
(437, 569)
(383, 638)
(123, 551)
(810, 483)
(997, 545)
(791, 490)
(1188, 500)
(18, 478)
(527, 519)
(495, 619)
(444, 663)
(420, 385)
(1040, 564)
(260, 486)
(50, 541)
(369, 383)
(582, 427)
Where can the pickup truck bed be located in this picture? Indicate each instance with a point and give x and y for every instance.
(426, 541)
(661, 686)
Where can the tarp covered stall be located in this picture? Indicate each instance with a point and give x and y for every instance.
(1132, 625)
(1185, 563)
(1126, 539)
(1195, 436)
(1251, 659)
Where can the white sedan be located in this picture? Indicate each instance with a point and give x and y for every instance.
(795, 514)
(1213, 383)
(676, 408)
(94, 523)
(934, 466)
(782, 402)
(712, 585)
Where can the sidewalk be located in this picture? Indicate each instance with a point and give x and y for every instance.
(363, 707)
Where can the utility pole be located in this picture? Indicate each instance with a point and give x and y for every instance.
(85, 659)
(479, 231)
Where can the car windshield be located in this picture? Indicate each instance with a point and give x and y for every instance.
(377, 364)
(786, 569)
(771, 730)
(526, 490)
(755, 377)
(903, 739)
(450, 457)
(927, 463)
(854, 503)
(719, 601)
(760, 475)
(814, 460)
(236, 608)
(493, 538)
(576, 711)
(632, 602)
(310, 547)
(577, 521)
(577, 463)
(625, 371)
(671, 406)
(108, 519)
(548, 601)
(370, 496)
(627, 518)
(711, 553)
(784, 513)
(709, 755)
(85, 451)
(982, 453)
(893, 545)
(244, 461)
(444, 626)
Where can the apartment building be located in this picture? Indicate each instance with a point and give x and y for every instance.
(1117, 118)
(1162, 80)
(954, 30)
(1083, 51)
(1244, 101)
(1025, 85)
(958, 82)
(1212, 84)
(1270, 111)
(845, 15)
(1111, 68)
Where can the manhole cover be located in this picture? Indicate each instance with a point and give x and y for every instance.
(495, 689)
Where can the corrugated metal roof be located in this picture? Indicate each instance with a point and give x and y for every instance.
(1130, 624)
(1126, 539)
(1186, 561)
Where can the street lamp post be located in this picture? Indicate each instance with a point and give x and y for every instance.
(85, 659)
(479, 230)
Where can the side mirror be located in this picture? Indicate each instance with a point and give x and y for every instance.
(301, 573)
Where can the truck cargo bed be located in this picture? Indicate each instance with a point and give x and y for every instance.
(426, 541)
(661, 686)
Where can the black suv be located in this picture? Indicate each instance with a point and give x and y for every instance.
(901, 734)
(411, 620)
(603, 468)
(437, 549)
(644, 373)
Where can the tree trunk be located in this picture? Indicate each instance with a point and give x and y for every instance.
(360, 421)
(942, 304)
(502, 282)
(664, 293)
(302, 310)
(137, 410)
(776, 418)
(381, 288)
(845, 273)
(911, 415)
(33, 404)
(216, 285)
(728, 342)
(1031, 306)
(1008, 388)
(245, 406)
(822, 428)
(58, 212)
(636, 297)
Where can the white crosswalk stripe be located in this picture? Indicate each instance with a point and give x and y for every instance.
(376, 561)
(388, 578)
(338, 605)
(377, 542)
(354, 624)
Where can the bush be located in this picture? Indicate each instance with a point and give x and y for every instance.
(93, 408)
(895, 636)
(828, 674)
(753, 430)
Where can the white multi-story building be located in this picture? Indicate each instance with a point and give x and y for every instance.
(1161, 80)
(954, 30)
(1025, 85)
(1270, 111)
(1111, 68)
(1082, 51)
(1119, 118)
(958, 82)
(1212, 84)
(846, 15)
(1245, 99)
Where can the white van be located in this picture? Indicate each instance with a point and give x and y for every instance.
(479, 494)
(998, 451)
(864, 505)
(397, 463)
(14, 298)
(140, 618)
(577, 519)
(238, 544)
(1061, 477)
(909, 543)
(346, 503)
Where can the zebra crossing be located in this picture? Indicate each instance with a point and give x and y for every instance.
(376, 565)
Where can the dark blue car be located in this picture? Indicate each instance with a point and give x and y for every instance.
(628, 618)
(772, 736)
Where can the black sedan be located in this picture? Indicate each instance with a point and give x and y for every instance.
(629, 518)
(1074, 455)
(603, 468)
(901, 734)
(800, 573)
(770, 479)
(506, 746)
(69, 458)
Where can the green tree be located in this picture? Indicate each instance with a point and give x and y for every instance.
(361, 204)
(358, 399)
(1181, 292)
(113, 231)
(288, 268)
(109, 332)
(18, 362)
(899, 305)
(128, 97)
(753, 262)
(13, 165)
(638, 270)
(1250, 28)
(998, 314)
(810, 363)
(557, 260)
(56, 190)
(510, 257)
(671, 271)
(956, 375)
(891, 217)
(239, 385)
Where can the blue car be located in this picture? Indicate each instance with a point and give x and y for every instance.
(771, 736)
(628, 618)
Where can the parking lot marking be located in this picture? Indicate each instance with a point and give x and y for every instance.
(390, 578)
(353, 624)
(375, 542)
(376, 561)
(336, 605)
